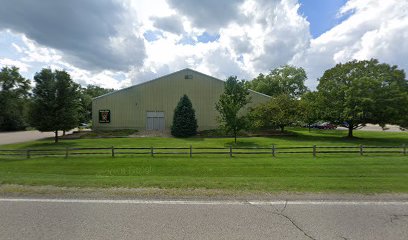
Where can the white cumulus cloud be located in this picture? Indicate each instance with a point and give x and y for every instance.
(374, 29)
(116, 43)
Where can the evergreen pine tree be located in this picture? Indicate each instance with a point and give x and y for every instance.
(184, 120)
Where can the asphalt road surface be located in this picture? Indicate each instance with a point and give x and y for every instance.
(141, 219)
(25, 136)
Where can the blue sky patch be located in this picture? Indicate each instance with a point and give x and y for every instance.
(187, 40)
(152, 36)
(206, 37)
(322, 14)
(6, 41)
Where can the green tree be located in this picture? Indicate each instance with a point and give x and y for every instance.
(184, 120)
(360, 92)
(14, 93)
(87, 94)
(403, 123)
(309, 108)
(279, 112)
(232, 100)
(55, 102)
(283, 80)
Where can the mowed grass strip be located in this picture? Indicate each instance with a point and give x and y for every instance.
(290, 173)
(299, 137)
(351, 173)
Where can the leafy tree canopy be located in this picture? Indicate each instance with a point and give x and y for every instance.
(56, 103)
(287, 80)
(96, 91)
(87, 94)
(279, 112)
(360, 92)
(309, 108)
(232, 100)
(184, 120)
(14, 93)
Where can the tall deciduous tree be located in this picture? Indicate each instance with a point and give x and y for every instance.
(184, 120)
(309, 108)
(360, 92)
(55, 102)
(279, 112)
(287, 80)
(232, 100)
(13, 99)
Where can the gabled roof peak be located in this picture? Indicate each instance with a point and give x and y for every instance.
(164, 76)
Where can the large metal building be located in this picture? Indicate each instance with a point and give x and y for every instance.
(150, 105)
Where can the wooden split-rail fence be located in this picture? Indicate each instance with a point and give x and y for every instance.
(229, 151)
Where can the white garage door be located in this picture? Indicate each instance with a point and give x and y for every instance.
(155, 121)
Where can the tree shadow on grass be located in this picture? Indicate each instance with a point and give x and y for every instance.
(49, 145)
(194, 139)
(242, 144)
(336, 136)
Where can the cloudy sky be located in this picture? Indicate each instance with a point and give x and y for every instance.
(117, 43)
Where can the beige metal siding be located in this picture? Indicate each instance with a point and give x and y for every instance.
(129, 106)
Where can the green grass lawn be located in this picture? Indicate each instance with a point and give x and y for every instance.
(295, 173)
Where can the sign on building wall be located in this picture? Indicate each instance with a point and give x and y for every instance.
(104, 116)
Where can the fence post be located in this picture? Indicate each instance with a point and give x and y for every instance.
(28, 153)
(273, 150)
(66, 152)
(152, 151)
(113, 151)
(314, 150)
(404, 149)
(361, 150)
(230, 153)
(191, 151)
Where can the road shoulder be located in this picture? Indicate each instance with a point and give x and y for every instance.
(22, 191)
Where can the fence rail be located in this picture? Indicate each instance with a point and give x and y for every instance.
(231, 151)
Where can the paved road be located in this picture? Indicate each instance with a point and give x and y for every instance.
(24, 136)
(133, 219)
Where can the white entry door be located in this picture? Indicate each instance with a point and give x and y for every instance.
(155, 121)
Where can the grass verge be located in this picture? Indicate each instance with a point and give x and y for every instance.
(345, 173)
(298, 174)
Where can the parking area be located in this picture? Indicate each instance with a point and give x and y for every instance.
(372, 127)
